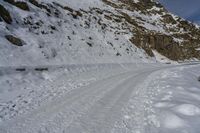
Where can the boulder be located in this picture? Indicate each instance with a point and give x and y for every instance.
(14, 40)
(5, 15)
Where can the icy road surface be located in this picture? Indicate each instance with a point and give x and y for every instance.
(113, 98)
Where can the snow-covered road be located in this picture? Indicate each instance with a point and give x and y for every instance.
(98, 107)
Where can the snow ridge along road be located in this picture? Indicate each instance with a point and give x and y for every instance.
(90, 109)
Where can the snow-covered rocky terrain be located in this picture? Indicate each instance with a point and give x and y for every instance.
(52, 34)
(97, 66)
(49, 32)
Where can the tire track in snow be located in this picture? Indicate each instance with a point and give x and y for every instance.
(102, 116)
(45, 112)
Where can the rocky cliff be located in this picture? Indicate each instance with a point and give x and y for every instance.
(155, 28)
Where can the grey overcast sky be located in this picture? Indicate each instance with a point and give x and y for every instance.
(188, 9)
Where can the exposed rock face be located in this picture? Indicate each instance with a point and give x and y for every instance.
(166, 45)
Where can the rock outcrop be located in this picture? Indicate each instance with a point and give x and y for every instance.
(179, 40)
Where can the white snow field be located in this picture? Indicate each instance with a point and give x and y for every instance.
(101, 98)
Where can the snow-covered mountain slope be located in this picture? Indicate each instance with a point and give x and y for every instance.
(59, 32)
(41, 32)
(157, 29)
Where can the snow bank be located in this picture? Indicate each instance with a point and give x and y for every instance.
(177, 105)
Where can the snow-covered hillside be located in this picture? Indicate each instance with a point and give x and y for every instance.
(55, 34)
(46, 32)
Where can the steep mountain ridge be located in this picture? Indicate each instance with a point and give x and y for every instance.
(38, 32)
(156, 28)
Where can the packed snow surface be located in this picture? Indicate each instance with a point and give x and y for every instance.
(101, 98)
